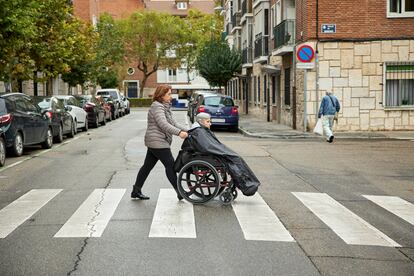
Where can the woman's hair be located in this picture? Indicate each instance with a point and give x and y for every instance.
(160, 91)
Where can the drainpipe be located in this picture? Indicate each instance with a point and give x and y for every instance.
(317, 60)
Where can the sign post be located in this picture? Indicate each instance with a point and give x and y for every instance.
(305, 55)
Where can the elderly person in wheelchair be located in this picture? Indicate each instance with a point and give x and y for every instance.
(207, 168)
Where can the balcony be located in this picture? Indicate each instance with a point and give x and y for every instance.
(261, 47)
(235, 21)
(284, 37)
(246, 10)
(247, 56)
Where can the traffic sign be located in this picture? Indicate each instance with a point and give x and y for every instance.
(305, 53)
(305, 65)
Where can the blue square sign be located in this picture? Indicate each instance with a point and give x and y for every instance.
(328, 28)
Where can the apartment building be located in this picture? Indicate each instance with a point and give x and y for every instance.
(364, 54)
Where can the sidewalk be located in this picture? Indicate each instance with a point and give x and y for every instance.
(254, 127)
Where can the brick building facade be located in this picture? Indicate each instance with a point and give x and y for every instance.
(368, 62)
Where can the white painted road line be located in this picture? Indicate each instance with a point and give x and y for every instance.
(92, 217)
(258, 221)
(395, 205)
(348, 226)
(23, 208)
(172, 218)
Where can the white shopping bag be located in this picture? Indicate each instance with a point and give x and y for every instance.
(318, 128)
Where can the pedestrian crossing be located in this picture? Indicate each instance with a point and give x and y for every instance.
(176, 219)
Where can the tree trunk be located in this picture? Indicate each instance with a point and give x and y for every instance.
(141, 88)
(35, 90)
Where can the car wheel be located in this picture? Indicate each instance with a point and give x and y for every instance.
(97, 121)
(86, 127)
(2, 152)
(72, 130)
(59, 136)
(47, 144)
(17, 148)
(76, 126)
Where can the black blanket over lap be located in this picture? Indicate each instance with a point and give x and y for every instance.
(203, 140)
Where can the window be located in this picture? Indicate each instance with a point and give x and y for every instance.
(399, 84)
(287, 86)
(182, 5)
(172, 75)
(30, 107)
(265, 90)
(272, 19)
(400, 8)
(20, 105)
(255, 89)
(258, 89)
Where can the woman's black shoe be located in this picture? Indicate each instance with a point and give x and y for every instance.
(139, 196)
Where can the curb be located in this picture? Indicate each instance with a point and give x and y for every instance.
(276, 136)
(247, 133)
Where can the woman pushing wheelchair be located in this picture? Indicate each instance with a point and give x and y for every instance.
(207, 168)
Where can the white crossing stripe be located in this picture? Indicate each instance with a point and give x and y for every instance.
(172, 218)
(23, 208)
(395, 205)
(258, 221)
(92, 217)
(348, 226)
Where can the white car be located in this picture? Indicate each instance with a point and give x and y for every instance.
(79, 115)
(116, 97)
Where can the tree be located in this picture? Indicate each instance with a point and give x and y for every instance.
(153, 41)
(82, 60)
(110, 52)
(217, 63)
(17, 30)
(54, 47)
(201, 29)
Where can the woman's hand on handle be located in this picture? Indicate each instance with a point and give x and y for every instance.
(183, 134)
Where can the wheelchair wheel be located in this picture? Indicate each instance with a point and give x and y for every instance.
(198, 182)
(226, 197)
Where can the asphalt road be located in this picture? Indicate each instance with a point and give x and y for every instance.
(300, 179)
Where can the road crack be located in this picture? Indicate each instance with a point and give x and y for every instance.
(91, 226)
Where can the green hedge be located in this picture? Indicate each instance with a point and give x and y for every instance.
(142, 102)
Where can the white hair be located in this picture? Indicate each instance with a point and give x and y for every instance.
(202, 117)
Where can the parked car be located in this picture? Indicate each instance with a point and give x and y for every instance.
(59, 116)
(23, 123)
(2, 148)
(107, 107)
(79, 115)
(96, 112)
(196, 96)
(116, 96)
(222, 110)
(127, 106)
(108, 99)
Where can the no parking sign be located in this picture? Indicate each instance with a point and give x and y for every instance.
(305, 53)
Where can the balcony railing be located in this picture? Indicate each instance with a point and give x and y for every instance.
(261, 46)
(247, 55)
(235, 20)
(284, 33)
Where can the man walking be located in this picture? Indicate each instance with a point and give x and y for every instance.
(328, 109)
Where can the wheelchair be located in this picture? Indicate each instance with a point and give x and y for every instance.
(204, 177)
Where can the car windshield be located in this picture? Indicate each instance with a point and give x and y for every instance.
(111, 92)
(216, 101)
(83, 99)
(44, 103)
